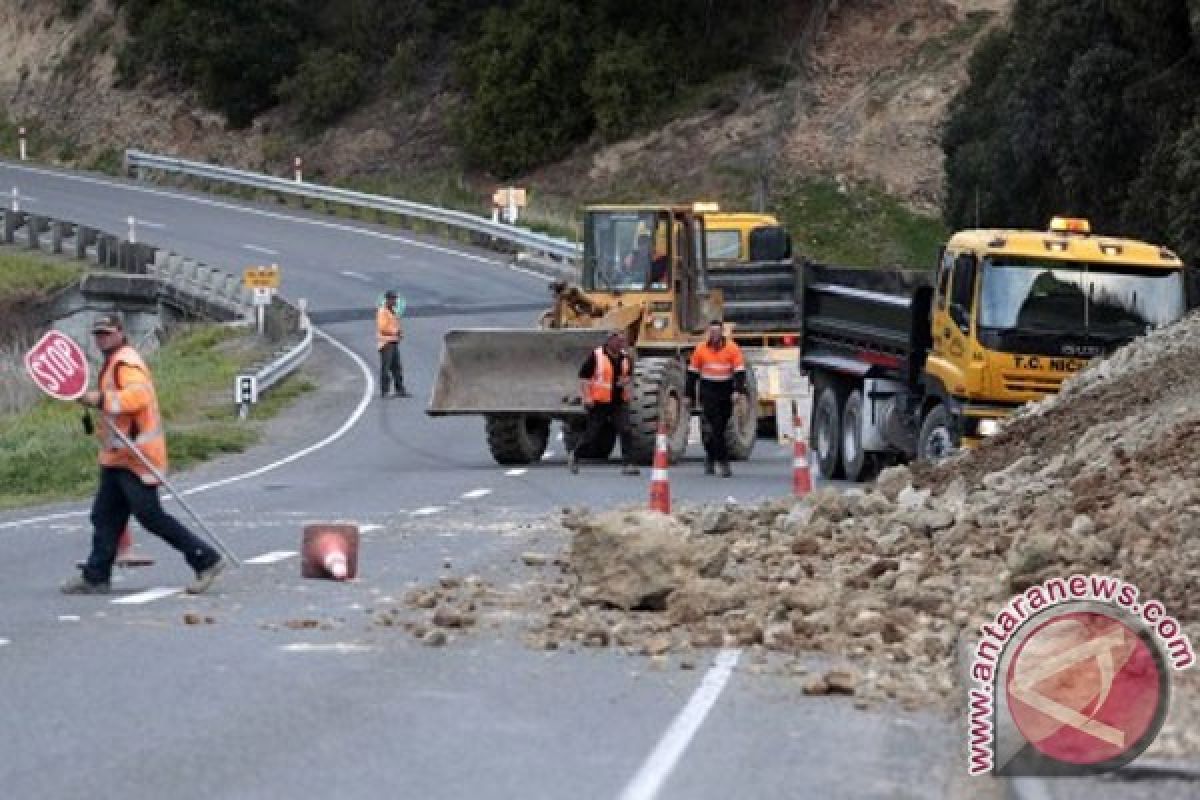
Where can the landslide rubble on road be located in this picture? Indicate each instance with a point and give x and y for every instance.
(1102, 478)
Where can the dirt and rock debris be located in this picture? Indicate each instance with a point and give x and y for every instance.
(893, 580)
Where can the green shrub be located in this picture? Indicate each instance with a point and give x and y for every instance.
(326, 86)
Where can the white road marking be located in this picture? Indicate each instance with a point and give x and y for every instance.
(657, 768)
(475, 494)
(264, 250)
(516, 473)
(349, 273)
(4, 642)
(145, 223)
(427, 510)
(148, 596)
(272, 557)
(68, 618)
(369, 528)
(336, 647)
(364, 401)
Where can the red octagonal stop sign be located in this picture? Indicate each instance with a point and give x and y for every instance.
(58, 366)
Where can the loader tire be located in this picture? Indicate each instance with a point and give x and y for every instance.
(658, 391)
(517, 438)
(600, 449)
(742, 431)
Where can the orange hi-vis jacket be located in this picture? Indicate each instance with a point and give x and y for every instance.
(717, 364)
(128, 400)
(601, 386)
(387, 327)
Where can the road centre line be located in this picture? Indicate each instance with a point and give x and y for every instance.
(516, 473)
(145, 223)
(363, 403)
(349, 273)
(273, 557)
(657, 768)
(475, 494)
(205, 201)
(4, 642)
(148, 596)
(264, 250)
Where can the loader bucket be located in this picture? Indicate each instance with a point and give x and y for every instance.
(496, 371)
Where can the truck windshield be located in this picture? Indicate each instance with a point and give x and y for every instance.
(625, 251)
(1074, 297)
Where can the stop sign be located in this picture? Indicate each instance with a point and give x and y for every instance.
(58, 366)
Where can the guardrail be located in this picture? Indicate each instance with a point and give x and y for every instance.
(552, 246)
(284, 363)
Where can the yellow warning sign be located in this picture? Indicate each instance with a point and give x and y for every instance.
(261, 277)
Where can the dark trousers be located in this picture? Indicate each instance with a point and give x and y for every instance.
(600, 416)
(716, 402)
(122, 494)
(391, 371)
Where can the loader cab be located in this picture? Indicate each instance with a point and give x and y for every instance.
(648, 256)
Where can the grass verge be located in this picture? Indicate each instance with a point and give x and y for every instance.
(22, 273)
(47, 457)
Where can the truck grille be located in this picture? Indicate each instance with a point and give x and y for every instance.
(1036, 384)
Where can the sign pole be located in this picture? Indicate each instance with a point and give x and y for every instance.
(174, 492)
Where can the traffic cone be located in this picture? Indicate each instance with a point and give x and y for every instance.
(801, 473)
(330, 551)
(126, 557)
(660, 484)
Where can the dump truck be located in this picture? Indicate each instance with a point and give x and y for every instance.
(644, 272)
(750, 260)
(916, 364)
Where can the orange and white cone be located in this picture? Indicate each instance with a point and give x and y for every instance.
(660, 484)
(330, 551)
(801, 472)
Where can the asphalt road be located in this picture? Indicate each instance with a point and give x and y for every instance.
(118, 697)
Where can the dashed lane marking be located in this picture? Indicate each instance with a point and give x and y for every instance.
(369, 528)
(264, 250)
(4, 642)
(68, 618)
(336, 647)
(270, 558)
(148, 596)
(475, 494)
(657, 768)
(427, 510)
(349, 273)
(516, 473)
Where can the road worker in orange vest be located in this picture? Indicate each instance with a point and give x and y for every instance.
(717, 365)
(388, 335)
(605, 383)
(126, 397)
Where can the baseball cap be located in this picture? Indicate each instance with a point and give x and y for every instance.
(107, 323)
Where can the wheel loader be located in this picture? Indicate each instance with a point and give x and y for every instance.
(644, 274)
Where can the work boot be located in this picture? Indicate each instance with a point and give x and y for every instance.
(709, 465)
(572, 463)
(726, 472)
(81, 585)
(205, 577)
(630, 469)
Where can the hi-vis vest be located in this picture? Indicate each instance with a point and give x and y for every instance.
(387, 327)
(600, 389)
(129, 401)
(717, 365)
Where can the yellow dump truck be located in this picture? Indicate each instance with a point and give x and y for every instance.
(908, 364)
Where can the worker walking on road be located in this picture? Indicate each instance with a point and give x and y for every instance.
(718, 366)
(127, 398)
(389, 333)
(604, 383)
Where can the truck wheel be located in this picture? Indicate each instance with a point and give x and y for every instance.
(600, 449)
(939, 439)
(827, 427)
(742, 431)
(658, 391)
(854, 460)
(517, 438)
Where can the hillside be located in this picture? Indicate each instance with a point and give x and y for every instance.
(855, 130)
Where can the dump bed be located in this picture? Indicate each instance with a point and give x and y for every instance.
(860, 321)
(759, 296)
